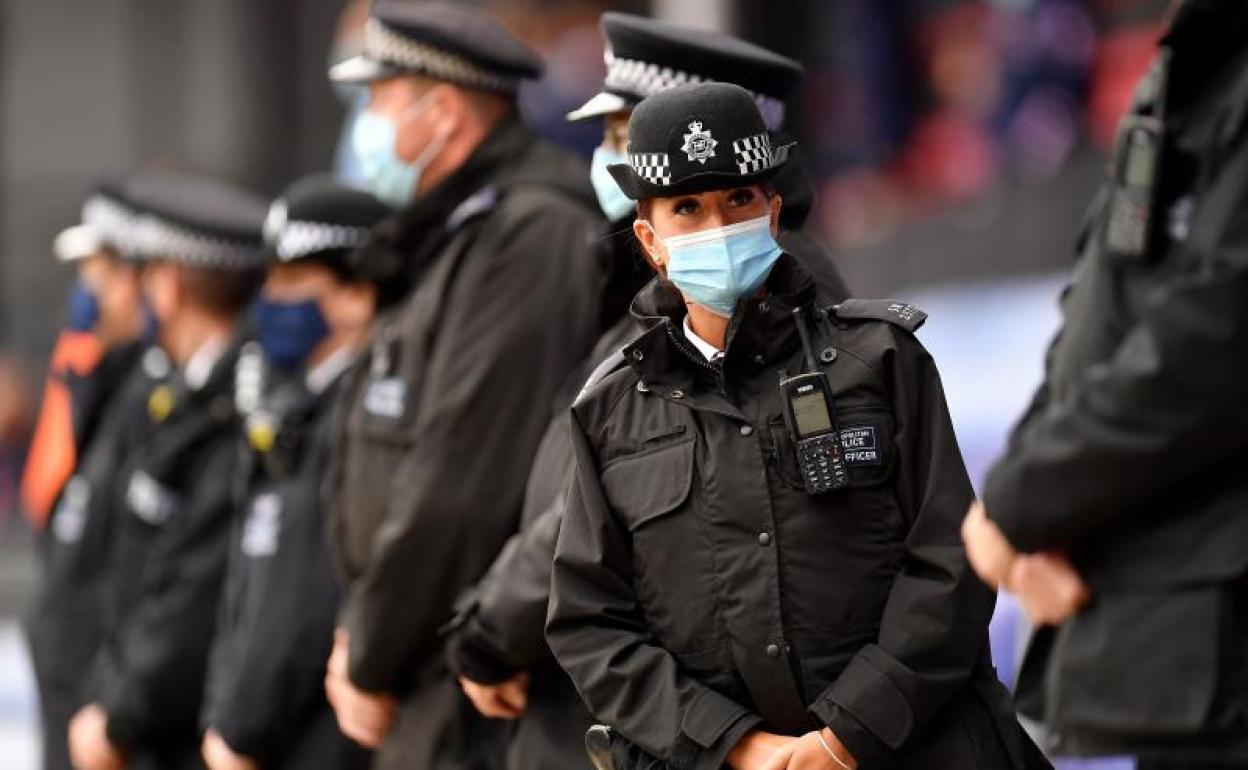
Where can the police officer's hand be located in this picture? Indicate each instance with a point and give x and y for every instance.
(505, 700)
(810, 754)
(219, 756)
(1048, 586)
(758, 750)
(987, 548)
(364, 717)
(89, 747)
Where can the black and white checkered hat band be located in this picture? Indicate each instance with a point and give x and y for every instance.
(654, 167)
(110, 219)
(753, 153)
(299, 239)
(154, 238)
(632, 76)
(386, 45)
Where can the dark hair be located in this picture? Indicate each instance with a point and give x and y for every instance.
(224, 293)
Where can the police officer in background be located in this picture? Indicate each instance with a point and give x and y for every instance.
(171, 508)
(65, 623)
(1120, 507)
(492, 282)
(759, 562)
(497, 642)
(265, 704)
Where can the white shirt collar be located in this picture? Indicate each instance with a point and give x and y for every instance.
(199, 367)
(708, 351)
(323, 374)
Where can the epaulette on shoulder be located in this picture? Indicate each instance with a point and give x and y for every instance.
(611, 363)
(481, 202)
(898, 313)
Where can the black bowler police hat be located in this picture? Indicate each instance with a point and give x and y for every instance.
(195, 221)
(645, 56)
(695, 138)
(319, 218)
(448, 41)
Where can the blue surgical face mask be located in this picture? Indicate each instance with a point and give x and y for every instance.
(373, 139)
(714, 268)
(84, 309)
(288, 332)
(611, 199)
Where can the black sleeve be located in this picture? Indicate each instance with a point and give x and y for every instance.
(599, 636)
(268, 671)
(515, 324)
(933, 632)
(150, 676)
(500, 624)
(1168, 404)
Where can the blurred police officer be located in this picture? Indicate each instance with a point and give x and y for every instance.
(65, 624)
(265, 704)
(1124, 483)
(203, 258)
(490, 269)
(498, 644)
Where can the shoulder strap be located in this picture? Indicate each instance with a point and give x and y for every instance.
(898, 313)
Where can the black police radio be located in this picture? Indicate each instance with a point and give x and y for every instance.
(810, 413)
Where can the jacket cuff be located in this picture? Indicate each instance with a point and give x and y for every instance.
(864, 707)
(711, 727)
(121, 732)
(476, 661)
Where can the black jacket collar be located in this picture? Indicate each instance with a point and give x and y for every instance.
(762, 332)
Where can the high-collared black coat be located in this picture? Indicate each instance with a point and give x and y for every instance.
(443, 416)
(265, 690)
(699, 591)
(172, 509)
(1132, 456)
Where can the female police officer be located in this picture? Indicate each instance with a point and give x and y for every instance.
(759, 565)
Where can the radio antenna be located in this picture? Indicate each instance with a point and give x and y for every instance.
(805, 336)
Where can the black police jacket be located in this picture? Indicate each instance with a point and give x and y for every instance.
(265, 689)
(443, 415)
(65, 621)
(699, 591)
(1131, 455)
(172, 511)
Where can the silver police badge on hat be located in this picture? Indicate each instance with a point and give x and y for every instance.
(699, 145)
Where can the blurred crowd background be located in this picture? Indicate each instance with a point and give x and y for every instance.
(956, 145)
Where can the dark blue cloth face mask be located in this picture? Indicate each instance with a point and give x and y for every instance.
(84, 309)
(288, 332)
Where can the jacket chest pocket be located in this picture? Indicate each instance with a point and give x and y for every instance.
(867, 445)
(648, 485)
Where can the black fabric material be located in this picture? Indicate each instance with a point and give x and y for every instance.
(709, 55)
(456, 390)
(683, 627)
(265, 689)
(207, 207)
(1130, 457)
(64, 625)
(171, 511)
(462, 30)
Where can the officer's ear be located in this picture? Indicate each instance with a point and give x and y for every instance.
(651, 244)
(777, 205)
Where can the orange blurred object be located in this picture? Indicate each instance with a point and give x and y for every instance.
(53, 451)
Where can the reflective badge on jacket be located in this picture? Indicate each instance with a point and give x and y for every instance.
(860, 446)
(386, 398)
(263, 525)
(70, 517)
(150, 500)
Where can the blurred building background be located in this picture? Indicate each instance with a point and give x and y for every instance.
(956, 144)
